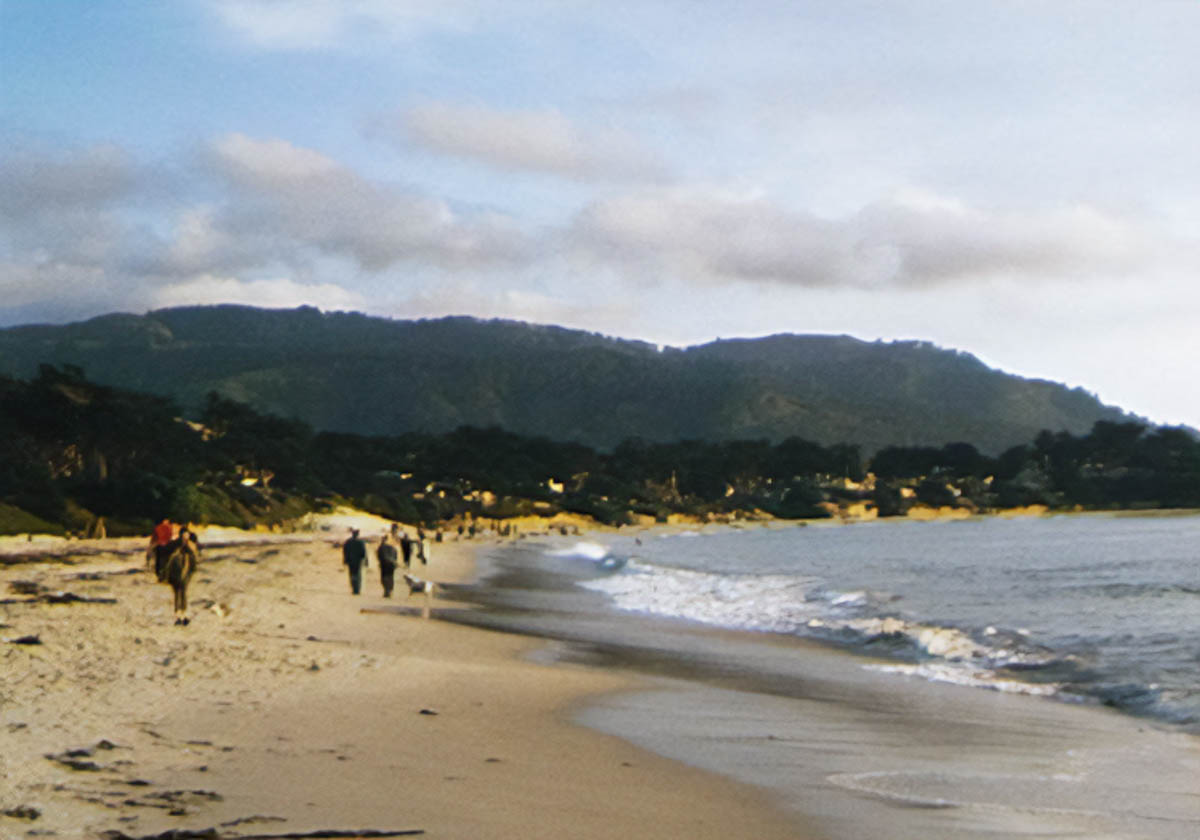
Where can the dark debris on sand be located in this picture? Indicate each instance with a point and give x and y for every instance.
(215, 834)
(22, 812)
(76, 759)
(36, 593)
(25, 640)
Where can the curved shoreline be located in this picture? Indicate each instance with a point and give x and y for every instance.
(858, 751)
(303, 708)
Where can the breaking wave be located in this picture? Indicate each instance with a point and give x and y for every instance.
(988, 657)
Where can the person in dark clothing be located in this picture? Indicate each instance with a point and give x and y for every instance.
(386, 553)
(406, 548)
(354, 557)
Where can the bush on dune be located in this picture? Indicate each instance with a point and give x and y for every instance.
(14, 521)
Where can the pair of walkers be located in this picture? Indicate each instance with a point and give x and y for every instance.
(393, 547)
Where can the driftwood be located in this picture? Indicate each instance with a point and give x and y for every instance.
(25, 640)
(214, 834)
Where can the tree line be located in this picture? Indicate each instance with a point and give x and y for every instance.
(72, 451)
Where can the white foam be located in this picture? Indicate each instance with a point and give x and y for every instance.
(850, 599)
(785, 604)
(588, 550)
(958, 675)
(774, 603)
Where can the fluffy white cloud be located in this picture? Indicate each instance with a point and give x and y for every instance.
(94, 231)
(535, 141)
(97, 230)
(271, 163)
(910, 241)
(289, 198)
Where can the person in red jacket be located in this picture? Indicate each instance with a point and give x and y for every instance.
(161, 545)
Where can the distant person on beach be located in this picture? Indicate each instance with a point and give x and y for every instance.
(160, 548)
(388, 558)
(96, 530)
(406, 548)
(181, 564)
(354, 557)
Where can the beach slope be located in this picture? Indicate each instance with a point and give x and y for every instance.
(289, 706)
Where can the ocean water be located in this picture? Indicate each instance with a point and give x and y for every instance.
(1094, 608)
(876, 677)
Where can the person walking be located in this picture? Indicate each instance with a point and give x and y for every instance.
(406, 548)
(387, 556)
(354, 558)
(162, 543)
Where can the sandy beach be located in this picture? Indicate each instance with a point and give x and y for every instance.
(289, 707)
(304, 708)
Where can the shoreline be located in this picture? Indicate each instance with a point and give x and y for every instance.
(304, 709)
(307, 709)
(856, 749)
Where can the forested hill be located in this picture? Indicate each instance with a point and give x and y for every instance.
(349, 372)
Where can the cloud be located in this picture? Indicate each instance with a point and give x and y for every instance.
(93, 230)
(289, 197)
(62, 211)
(271, 163)
(275, 293)
(913, 240)
(96, 230)
(936, 241)
(26, 283)
(543, 141)
(34, 183)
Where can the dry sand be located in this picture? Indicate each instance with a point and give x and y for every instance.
(304, 708)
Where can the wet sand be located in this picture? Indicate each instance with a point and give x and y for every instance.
(863, 754)
(305, 708)
(859, 750)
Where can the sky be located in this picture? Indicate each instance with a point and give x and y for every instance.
(1017, 179)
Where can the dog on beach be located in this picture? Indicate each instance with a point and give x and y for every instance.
(221, 610)
(415, 585)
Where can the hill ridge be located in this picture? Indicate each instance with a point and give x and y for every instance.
(347, 371)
